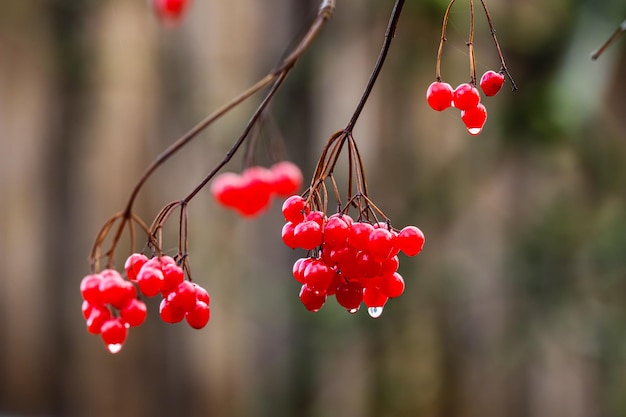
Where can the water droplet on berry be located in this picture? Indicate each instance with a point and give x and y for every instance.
(375, 312)
(353, 310)
(114, 347)
(474, 130)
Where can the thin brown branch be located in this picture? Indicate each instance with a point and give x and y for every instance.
(620, 30)
(444, 28)
(495, 40)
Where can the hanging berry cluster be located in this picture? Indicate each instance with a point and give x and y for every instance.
(466, 97)
(353, 257)
(170, 12)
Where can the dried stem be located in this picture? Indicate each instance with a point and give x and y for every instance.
(620, 29)
(495, 40)
(389, 34)
(444, 27)
(470, 44)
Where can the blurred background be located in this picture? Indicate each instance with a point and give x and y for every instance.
(516, 306)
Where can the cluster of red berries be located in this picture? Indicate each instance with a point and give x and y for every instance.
(169, 11)
(357, 262)
(250, 192)
(111, 307)
(466, 98)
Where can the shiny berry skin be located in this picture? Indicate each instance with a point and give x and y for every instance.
(311, 299)
(317, 275)
(336, 230)
(381, 243)
(360, 235)
(173, 275)
(134, 313)
(410, 240)
(201, 294)
(184, 296)
(307, 235)
(392, 285)
(491, 82)
(294, 209)
(90, 288)
(373, 297)
(150, 280)
(439, 95)
(349, 295)
(287, 235)
(113, 332)
(169, 313)
(97, 317)
(286, 178)
(133, 264)
(198, 316)
(465, 96)
(474, 119)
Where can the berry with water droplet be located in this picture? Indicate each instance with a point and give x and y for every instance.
(349, 295)
(113, 332)
(474, 119)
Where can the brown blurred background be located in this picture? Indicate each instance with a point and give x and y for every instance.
(516, 307)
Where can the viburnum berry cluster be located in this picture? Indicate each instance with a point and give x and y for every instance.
(356, 261)
(111, 307)
(466, 97)
(250, 192)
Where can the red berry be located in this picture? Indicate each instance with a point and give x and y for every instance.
(311, 299)
(349, 295)
(392, 285)
(169, 313)
(173, 275)
(389, 265)
(474, 119)
(226, 189)
(491, 82)
(439, 95)
(86, 308)
(317, 275)
(410, 240)
(199, 315)
(90, 288)
(134, 313)
(307, 235)
(287, 178)
(97, 317)
(294, 209)
(336, 230)
(465, 96)
(133, 264)
(298, 269)
(360, 235)
(317, 217)
(373, 297)
(184, 296)
(117, 291)
(150, 280)
(169, 11)
(367, 264)
(287, 235)
(113, 332)
(255, 192)
(381, 243)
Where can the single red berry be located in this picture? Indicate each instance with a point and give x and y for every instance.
(287, 235)
(389, 265)
(439, 95)
(317, 217)
(286, 178)
(410, 240)
(311, 299)
(133, 264)
(134, 313)
(307, 235)
(294, 209)
(115, 290)
(317, 275)
(392, 285)
(360, 235)
(90, 288)
(169, 313)
(373, 297)
(491, 82)
(184, 296)
(465, 96)
(349, 295)
(150, 280)
(336, 230)
(367, 264)
(169, 11)
(474, 119)
(97, 316)
(256, 191)
(113, 332)
(298, 269)
(381, 243)
(199, 315)
(226, 189)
